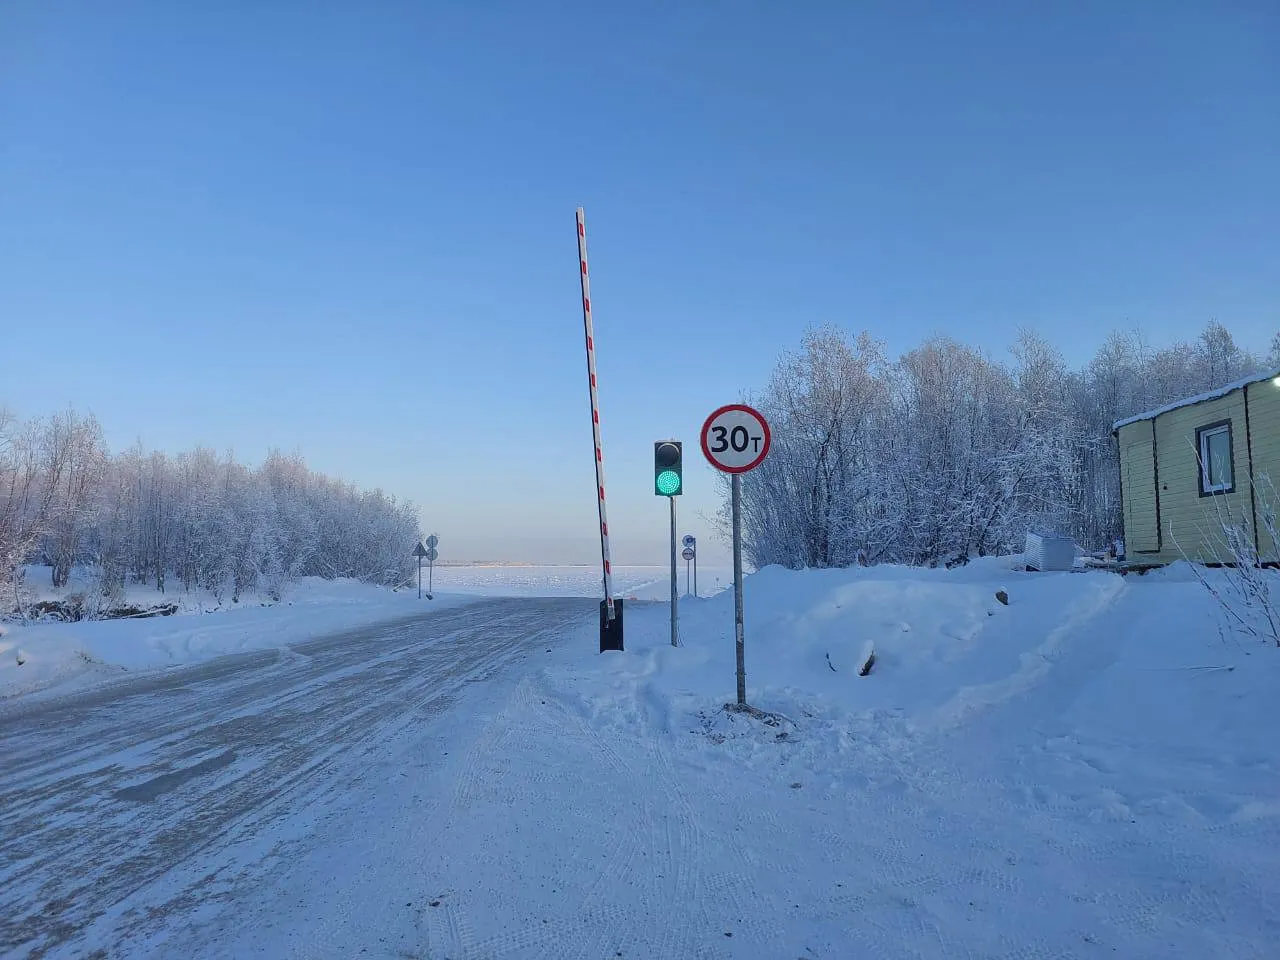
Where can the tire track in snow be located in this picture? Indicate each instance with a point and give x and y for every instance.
(483, 774)
(1053, 656)
(596, 926)
(681, 856)
(659, 849)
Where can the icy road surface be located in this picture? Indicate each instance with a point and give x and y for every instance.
(148, 802)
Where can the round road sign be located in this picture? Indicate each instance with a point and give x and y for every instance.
(690, 540)
(735, 438)
(433, 554)
(688, 553)
(433, 541)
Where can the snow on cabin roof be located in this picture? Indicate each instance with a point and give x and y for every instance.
(1199, 398)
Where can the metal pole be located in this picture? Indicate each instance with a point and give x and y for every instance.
(595, 409)
(431, 569)
(686, 578)
(737, 589)
(674, 587)
(695, 572)
(419, 578)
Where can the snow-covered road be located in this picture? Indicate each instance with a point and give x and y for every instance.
(136, 808)
(1088, 770)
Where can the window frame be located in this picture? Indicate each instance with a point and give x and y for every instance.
(1202, 458)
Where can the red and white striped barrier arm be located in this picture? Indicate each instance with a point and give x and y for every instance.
(595, 410)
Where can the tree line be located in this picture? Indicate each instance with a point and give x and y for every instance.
(946, 453)
(190, 521)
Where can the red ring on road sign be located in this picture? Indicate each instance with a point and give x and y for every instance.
(706, 428)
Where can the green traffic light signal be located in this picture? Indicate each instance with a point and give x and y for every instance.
(668, 468)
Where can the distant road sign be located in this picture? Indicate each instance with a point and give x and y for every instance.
(420, 551)
(433, 555)
(688, 553)
(433, 541)
(735, 438)
(690, 540)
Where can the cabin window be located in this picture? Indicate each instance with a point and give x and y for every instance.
(1214, 443)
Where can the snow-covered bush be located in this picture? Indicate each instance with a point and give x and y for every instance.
(1247, 589)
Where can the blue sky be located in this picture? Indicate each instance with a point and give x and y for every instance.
(348, 228)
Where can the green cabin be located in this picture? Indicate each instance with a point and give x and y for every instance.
(1190, 467)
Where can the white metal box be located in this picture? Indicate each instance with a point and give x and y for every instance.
(1049, 551)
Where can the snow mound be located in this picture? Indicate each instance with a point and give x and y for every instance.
(943, 641)
(38, 656)
(1092, 654)
(1038, 773)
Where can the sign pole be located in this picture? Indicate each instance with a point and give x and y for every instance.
(420, 551)
(690, 556)
(431, 554)
(674, 585)
(736, 440)
(737, 589)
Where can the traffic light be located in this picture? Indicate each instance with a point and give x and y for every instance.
(668, 468)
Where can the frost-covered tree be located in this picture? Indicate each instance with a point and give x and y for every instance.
(958, 457)
(947, 453)
(33, 462)
(22, 508)
(1221, 361)
(824, 468)
(77, 442)
(193, 519)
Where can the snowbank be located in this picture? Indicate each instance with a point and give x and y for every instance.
(933, 632)
(1089, 768)
(40, 655)
(1140, 663)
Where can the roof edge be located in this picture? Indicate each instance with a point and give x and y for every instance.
(1199, 398)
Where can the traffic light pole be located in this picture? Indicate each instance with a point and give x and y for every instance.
(668, 481)
(674, 584)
